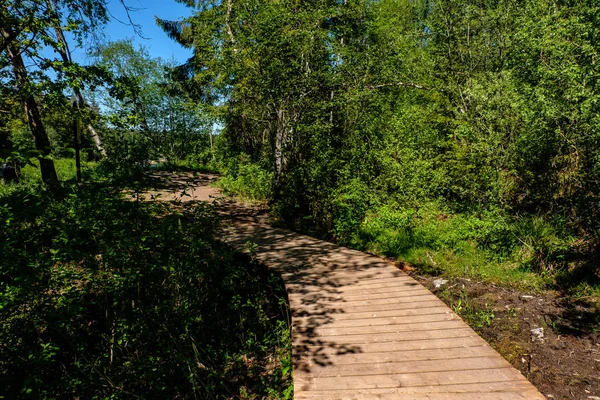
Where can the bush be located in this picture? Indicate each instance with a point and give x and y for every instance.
(541, 248)
(350, 204)
(247, 180)
(127, 149)
(102, 297)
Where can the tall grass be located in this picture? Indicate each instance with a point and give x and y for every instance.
(525, 252)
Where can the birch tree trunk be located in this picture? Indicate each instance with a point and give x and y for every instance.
(279, 142)
(65, 54)
(42, 143)
(210, 138)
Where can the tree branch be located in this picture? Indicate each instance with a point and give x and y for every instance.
(229, 30)
(137, 28)
(7, 40)
(398, 84)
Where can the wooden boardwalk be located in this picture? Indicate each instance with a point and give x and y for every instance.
(363, 329)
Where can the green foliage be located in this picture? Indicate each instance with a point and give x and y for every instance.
(350, 204)
(127, 149)
(454, 131)
(35, 63)
(399, 229)
(104, 297)
(145, 107)
(31, 179)
(488, 246)
(541, 248)
(477, 317)
(247, 180)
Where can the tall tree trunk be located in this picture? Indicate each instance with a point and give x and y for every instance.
(77, 143)
(210, 138)
(96, 138)
(65, 54)
(42, 143)
(279, 141)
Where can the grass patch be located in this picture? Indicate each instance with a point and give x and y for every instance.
(65, 169)
(474, 263)
(526, 253)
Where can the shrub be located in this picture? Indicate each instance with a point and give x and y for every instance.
(248, 180)
(102, 297)
(350, 204)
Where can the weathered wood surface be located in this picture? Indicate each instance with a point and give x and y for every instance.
(363, 329)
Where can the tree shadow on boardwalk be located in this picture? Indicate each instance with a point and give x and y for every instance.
(182, 187)
(315, 273)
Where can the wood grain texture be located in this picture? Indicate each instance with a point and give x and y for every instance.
(363, 329)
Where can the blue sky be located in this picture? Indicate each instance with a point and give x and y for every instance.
(157, 42)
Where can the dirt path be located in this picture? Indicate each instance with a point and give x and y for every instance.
(361, 327)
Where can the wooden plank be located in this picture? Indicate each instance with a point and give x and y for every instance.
(424, 379)
(493, 391)
(385, 299)
(406, 312)
(303, 347)
(350, 293)
(397, 284)
(416, 354)
(379, 274)
(339, 308)
(407, 367)
(308, 296)
(450, 323)
(429, 396)
(313, 268)
(355, 283)
(371, 319)
(453, 389)
(332, 285)
(341, 340)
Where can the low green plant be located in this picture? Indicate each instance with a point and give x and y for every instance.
(248, 181)
(475, 315)
(104, 297)
(527, 252)
(541, 248)
(350, 204)
(485, 316)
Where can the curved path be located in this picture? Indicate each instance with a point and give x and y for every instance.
(363, 329)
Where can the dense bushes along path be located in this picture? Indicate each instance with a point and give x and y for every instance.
(103, 297)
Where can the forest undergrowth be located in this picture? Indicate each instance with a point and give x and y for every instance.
(105, 297)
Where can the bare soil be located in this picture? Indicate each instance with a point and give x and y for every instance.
(553, 340)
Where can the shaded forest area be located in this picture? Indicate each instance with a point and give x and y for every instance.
(104, 295)
(459, 137)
